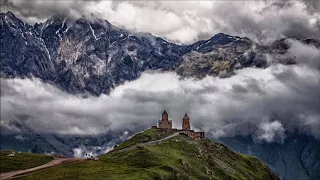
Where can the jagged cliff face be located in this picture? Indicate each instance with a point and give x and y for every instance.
(221, 55)
(93, 56)
(81, 55)
(23, 52)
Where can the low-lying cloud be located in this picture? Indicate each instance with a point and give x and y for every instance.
(187, 21)
(301, 53)
(271, 132)
(265, 103)
(82, 151)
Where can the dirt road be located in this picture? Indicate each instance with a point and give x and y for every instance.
(146, 143)
(19, 173)
(60, 161)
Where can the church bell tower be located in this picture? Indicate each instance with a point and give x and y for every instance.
(186, 123)
(165, 116)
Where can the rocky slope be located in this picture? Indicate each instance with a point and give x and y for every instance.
(93, 56)
(81, 55)
(179, 157)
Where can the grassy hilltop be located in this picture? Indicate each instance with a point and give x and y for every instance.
(179, 157)
(21, 160)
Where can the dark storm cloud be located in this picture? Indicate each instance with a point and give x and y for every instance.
(35, 11)
(312, 6)
(252, 86)
(187, 21)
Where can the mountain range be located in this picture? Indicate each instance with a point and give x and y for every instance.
(94, 56)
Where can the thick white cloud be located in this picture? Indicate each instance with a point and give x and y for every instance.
(271, 131)
(287, 96)
(304, 54)
(188, 21)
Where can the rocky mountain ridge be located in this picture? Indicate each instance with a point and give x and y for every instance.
(93, 56)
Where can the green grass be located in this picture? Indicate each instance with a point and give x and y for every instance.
(21, 160)
(177, 158)
(109, 167)
(145, 136)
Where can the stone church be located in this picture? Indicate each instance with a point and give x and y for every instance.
(166, 124)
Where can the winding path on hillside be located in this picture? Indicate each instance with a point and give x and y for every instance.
(60, 161)
(147, 143)
(55, 162)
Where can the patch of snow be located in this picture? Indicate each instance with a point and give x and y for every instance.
(23, 36)
(66, 30)
(77, 54)
(50, 22)
(47, 51)
(58, 31)
(86, 75)
(208, 42)
(110, 56)
(92, 31)
(64, 21)
(112, 43)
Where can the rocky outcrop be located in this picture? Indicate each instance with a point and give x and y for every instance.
(82, 55)
(221, 55)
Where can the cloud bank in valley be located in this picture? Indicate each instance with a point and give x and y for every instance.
(265, 103)
(187, 21)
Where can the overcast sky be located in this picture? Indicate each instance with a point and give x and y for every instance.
(187, 21)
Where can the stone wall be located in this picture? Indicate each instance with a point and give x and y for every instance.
(165, 124)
